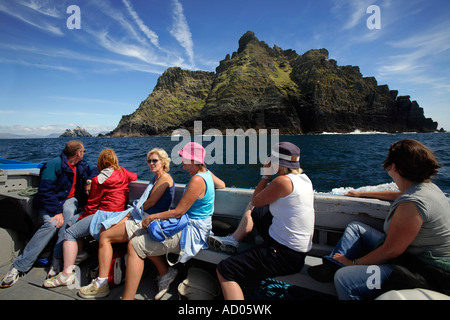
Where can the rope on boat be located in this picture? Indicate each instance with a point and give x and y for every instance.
(29, 191)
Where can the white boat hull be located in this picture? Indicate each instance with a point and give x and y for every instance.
(333, 213)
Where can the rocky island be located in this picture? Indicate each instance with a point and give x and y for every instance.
(262, 87)
(75, 133)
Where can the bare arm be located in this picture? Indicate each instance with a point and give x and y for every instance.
(381, 195)
(280, 187)
(218, 183)
(158, 190)
(195, 189)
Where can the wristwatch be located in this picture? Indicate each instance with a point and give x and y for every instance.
(265, 177)
(88, 182)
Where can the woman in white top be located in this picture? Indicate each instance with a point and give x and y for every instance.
(283, 214)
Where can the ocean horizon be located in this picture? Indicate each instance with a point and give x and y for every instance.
(335, 162)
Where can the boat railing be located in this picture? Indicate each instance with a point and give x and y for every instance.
(332, 215)
(332, 212)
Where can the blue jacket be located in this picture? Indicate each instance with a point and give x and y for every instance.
(56, 183)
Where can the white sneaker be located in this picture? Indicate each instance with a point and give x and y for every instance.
(11, 277)
(92, 291)
(164, 282)
(226, 244)
(60, 280)
(55, 268)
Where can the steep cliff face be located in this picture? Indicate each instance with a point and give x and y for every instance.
(254, 89)
(262, 87)
(340, 99)
(177, 96)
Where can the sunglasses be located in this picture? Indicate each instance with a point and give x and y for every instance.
(152, 160)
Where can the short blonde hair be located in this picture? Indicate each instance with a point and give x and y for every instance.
(107, 159)
(163, 156)
(291, 170)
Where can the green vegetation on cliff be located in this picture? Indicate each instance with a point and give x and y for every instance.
(262, 87)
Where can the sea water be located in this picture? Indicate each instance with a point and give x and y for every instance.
(335, 163)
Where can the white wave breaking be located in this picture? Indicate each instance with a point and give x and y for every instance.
(340, 191)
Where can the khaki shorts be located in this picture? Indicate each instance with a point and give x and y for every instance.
(146, 246)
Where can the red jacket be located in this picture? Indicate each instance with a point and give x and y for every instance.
(109, 191)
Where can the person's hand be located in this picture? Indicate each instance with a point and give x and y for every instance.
(87, 188)
(146, 222)
(353, 193)
(59, 218)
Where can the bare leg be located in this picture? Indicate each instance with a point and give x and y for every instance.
(230, 289)
(116, 234)
(245, 225)
(70, 250)
(160, 264)
(135, 268)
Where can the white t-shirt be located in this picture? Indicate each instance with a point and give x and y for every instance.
(293, 215)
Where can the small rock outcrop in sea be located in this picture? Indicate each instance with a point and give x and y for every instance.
(262, 87)
(75, 133)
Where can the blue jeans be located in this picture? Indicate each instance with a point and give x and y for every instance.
(78, 228)
(359, 281)
(42, 237)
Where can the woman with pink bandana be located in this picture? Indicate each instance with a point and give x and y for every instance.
(197, 202)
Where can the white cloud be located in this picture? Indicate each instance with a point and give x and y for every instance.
(45, 130)
(110, 65)
(131, 44)
(180, 30)
(32, 17)
(352, 12)
(113, 17)
(417, 57)
(43, 7)
(37, 65)
(126, 44)
(149, 33)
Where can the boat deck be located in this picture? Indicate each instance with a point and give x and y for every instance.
(332, 215)
(30, 286)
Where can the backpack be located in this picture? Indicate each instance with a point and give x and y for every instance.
(117, 269)
(116, 274)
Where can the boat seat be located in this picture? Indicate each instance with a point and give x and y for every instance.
(300, 279)
(413, 294)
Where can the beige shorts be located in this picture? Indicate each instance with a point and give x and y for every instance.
(146, 246)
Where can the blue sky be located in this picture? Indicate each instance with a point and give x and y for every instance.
(53, 77)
